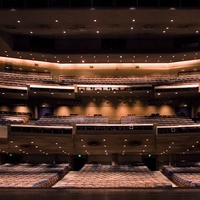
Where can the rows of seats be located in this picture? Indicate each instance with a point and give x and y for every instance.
(70, 120)
(6, 119)
(183, 176)
(21, 79)
(26, 175)
(153, 80)
(17, 79)
(107, 176)
(161, 120)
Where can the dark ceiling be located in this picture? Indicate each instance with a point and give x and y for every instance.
(135, 31)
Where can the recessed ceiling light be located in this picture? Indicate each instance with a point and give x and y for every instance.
(97, 32)
(133, 20)
(164, 31)
(171, 20)
(58, 61)
(56, 20)
(167, 28)
(132, 28)
(95, 20)
(31, 32)
(64, 31)
(197, 31)
(18, 21)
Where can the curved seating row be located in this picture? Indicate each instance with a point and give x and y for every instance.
(153, 80)
(183, 176)
(22, 79)
(70, 120)
(107, 176)
(25, 175)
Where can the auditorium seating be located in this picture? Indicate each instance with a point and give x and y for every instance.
(27, 175)
(160, 120)
(183, 176)
(23, 79)
(133, 80)
(7, 118)
(70, 120)
(107, 176)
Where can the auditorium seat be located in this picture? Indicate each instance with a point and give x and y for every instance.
(27, 175)
(183, 176)
(107, 176)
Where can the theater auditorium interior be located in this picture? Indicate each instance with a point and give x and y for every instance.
(99, 99)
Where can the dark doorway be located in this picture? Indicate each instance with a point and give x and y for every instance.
(13, 158)
(78, 162)
(150, 162)
(184, 111)
(45, 111)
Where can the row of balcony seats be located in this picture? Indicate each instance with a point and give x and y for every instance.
(21, 79)
(107, 176)
(153, 80)
(16, 79)
(70, 120)
(183, 176)
(7, 118)
(26, 175)
(160, 120)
